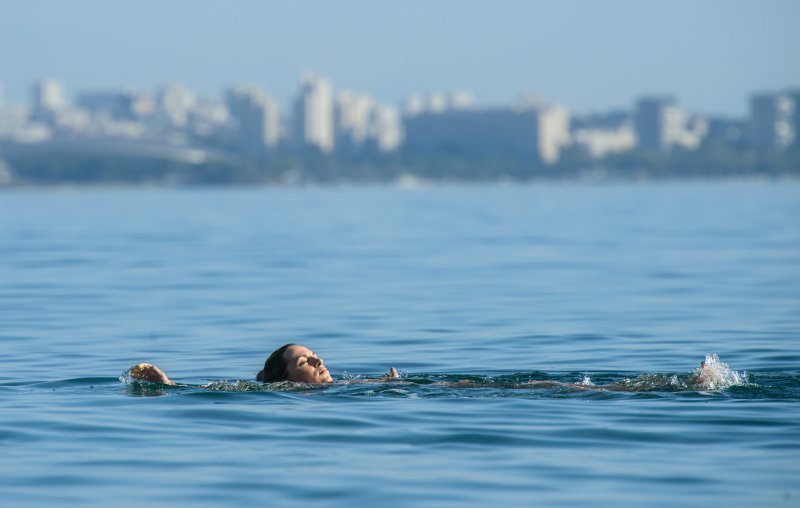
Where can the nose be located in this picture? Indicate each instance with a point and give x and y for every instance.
(315, 362)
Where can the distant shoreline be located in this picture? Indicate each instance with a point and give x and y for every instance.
(31, 166)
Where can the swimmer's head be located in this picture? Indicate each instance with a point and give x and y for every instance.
(293, 362)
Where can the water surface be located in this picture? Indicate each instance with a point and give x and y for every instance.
(503, 284)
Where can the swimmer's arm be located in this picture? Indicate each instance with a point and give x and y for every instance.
(151, 373)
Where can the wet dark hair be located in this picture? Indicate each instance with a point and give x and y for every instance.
(275, 366)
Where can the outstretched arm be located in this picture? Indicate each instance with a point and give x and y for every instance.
(151, 373)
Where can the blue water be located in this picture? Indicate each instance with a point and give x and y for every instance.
(499, 285)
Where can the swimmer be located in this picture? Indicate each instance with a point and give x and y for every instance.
(298, 364)
(290, 362)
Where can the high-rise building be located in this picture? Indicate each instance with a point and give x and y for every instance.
(313, 115)
(552, 132)
(655, 118)
(352, 119)
(660, 125)
(48, 95)
(256, 121)
(771, 121)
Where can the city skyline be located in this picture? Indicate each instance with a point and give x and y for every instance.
(334, 135)
(587, 57)
(247, 121)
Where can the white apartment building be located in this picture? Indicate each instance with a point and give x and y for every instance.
(313, 114)
(552, 132)
(352, 116)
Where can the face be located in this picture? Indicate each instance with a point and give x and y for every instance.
(303, 366)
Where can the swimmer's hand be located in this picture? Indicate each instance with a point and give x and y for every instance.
(151, 373)
(391, 375)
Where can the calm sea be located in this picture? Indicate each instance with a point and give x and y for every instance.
(494, 284)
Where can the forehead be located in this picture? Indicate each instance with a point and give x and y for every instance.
(296, 352)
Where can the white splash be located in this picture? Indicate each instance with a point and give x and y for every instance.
(586, 381)
(713, 374)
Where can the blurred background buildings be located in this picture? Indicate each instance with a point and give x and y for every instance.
(248, 125)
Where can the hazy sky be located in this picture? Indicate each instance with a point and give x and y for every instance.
(587, 55)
